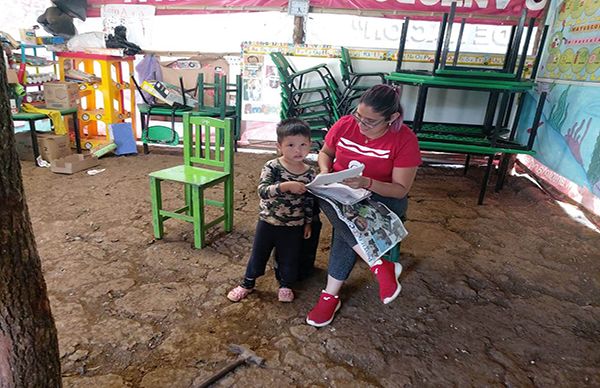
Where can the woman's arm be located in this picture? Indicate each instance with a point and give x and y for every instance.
(325, 159)
(402, 180)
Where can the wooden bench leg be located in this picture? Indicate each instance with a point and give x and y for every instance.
(486, 178)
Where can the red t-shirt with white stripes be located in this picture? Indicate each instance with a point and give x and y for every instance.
(380, 156)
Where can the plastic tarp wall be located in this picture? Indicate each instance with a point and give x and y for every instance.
(496, 11)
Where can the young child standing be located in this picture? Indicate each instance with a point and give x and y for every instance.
(285, 211)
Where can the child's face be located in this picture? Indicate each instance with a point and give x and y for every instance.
(294, 148)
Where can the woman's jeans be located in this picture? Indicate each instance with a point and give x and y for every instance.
(342, 257)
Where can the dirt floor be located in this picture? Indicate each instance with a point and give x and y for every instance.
(505, 294)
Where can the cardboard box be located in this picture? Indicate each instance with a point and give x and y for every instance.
(23, 145)
(11, 76)
(73, 163)
(189, 69)
(61, 95)
(51, 146)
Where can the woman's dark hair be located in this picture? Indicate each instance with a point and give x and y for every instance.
(385, 100)
(292, 127)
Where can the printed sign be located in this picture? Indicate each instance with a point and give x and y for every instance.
(572, 51)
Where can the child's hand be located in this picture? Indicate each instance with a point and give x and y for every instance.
(307, 231)
(293, 187)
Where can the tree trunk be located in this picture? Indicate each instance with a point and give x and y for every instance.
(28, 343)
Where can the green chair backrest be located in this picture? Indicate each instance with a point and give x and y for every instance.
(222, 93)
(208, 141)
(284, 68)
(219, 88)
(346, 66)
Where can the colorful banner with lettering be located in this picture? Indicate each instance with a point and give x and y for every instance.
(572, 51)
(496, 9)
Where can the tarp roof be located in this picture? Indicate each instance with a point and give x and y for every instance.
(486, 11)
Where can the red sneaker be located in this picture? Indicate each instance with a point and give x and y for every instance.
(387, 274)
(322, 314)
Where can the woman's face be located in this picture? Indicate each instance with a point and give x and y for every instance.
(371, 124)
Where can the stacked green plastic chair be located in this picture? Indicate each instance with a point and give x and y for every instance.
(310, 94)
(355, 83)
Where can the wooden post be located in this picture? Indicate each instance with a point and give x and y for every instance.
(299, 33)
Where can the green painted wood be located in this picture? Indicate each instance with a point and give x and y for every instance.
(486, 74)
(24, 116)
(469, 149)
(178, 216)
(198, 220)
(156, 199)
(461, 82)
(207, 141)
(190, 175)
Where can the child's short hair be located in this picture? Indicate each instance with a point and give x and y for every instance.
(292, 127)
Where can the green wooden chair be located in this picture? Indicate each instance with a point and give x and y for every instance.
(207, 161)
(225, 101)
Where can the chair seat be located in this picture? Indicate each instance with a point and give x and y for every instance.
(196, 176)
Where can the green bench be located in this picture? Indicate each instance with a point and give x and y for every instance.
(490, 139)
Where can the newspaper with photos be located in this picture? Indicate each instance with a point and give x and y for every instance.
(376, 228)
(329, 186)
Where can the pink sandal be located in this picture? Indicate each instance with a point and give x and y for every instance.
(285, 295)
(239, 293)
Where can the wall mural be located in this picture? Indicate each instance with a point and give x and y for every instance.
(568, 141)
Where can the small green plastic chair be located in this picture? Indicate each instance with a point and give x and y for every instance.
(207, 161)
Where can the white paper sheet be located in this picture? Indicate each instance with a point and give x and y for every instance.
(335, 177)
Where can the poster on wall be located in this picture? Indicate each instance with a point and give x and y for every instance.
(572, 52)
(136, 18)
(260, 98)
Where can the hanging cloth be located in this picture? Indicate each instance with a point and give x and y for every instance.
(57, 120)
(148, 69)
